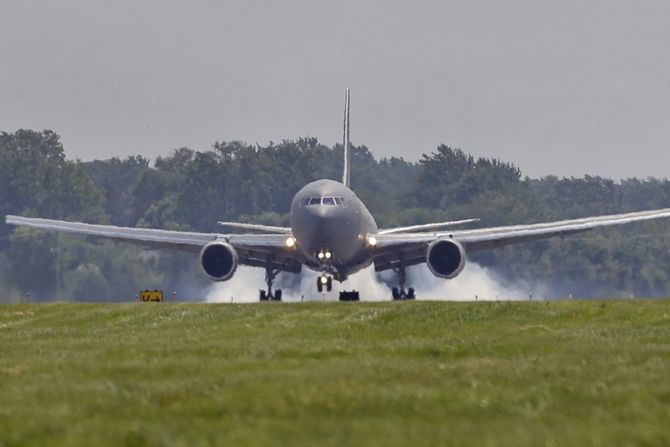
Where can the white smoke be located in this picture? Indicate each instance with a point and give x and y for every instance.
(474, 283)
(243, 287)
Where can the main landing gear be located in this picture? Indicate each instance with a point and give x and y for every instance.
(269, 295)
(399, 293)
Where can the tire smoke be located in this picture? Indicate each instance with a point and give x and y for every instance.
(474, 283)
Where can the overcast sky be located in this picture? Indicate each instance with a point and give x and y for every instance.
(556, 87)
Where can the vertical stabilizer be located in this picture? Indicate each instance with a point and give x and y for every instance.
(346, 173)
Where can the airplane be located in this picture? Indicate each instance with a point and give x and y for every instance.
(332, 232)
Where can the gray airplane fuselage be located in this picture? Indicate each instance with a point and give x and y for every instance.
(338, 223)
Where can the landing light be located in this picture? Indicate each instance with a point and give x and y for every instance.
(290, 242)
(372, 241)
(328, 255)
(323, 280)
(320, 255)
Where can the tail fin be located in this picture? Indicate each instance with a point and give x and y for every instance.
(346, 174)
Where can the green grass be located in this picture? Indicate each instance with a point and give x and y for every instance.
(424, 373)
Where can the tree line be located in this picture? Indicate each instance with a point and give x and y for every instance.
(192, 189)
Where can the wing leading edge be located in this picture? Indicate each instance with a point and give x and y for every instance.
(428, 226)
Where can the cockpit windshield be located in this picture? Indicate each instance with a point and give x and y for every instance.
(327, 201)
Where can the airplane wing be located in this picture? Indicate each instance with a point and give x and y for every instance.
(429, 226)
(256, 227)
(257, 250)
(408, 249)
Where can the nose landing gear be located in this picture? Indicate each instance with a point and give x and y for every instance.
(324, 281)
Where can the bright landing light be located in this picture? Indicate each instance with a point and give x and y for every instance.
(372, 241)
(324, 280)
(328, 255)
(290, 242)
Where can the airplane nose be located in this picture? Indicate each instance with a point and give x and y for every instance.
(319, 221)
(321, 213)
(319, 226)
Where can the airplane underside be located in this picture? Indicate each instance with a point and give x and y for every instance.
(324, 283)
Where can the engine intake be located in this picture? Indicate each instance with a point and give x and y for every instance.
(445, 258)
(218, 260)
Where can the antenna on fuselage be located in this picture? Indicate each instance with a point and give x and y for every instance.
(346, 174)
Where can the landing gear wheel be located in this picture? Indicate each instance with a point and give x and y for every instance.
(265, 296)
(402, 294)
(350, 296)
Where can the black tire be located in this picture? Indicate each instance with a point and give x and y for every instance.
(410, 294)
(349, 296)
(264, 295)
(329, 284)
(277, 296)
(396, 293)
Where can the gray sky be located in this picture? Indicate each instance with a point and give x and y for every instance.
(556, 87)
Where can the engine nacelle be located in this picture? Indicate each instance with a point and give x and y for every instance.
(218, 260)
(445, 258)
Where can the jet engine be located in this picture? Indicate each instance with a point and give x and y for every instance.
(218, 260)
(445, 258)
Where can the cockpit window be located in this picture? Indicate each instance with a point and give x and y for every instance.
(327, 201)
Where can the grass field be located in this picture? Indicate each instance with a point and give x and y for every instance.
(420, 373)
